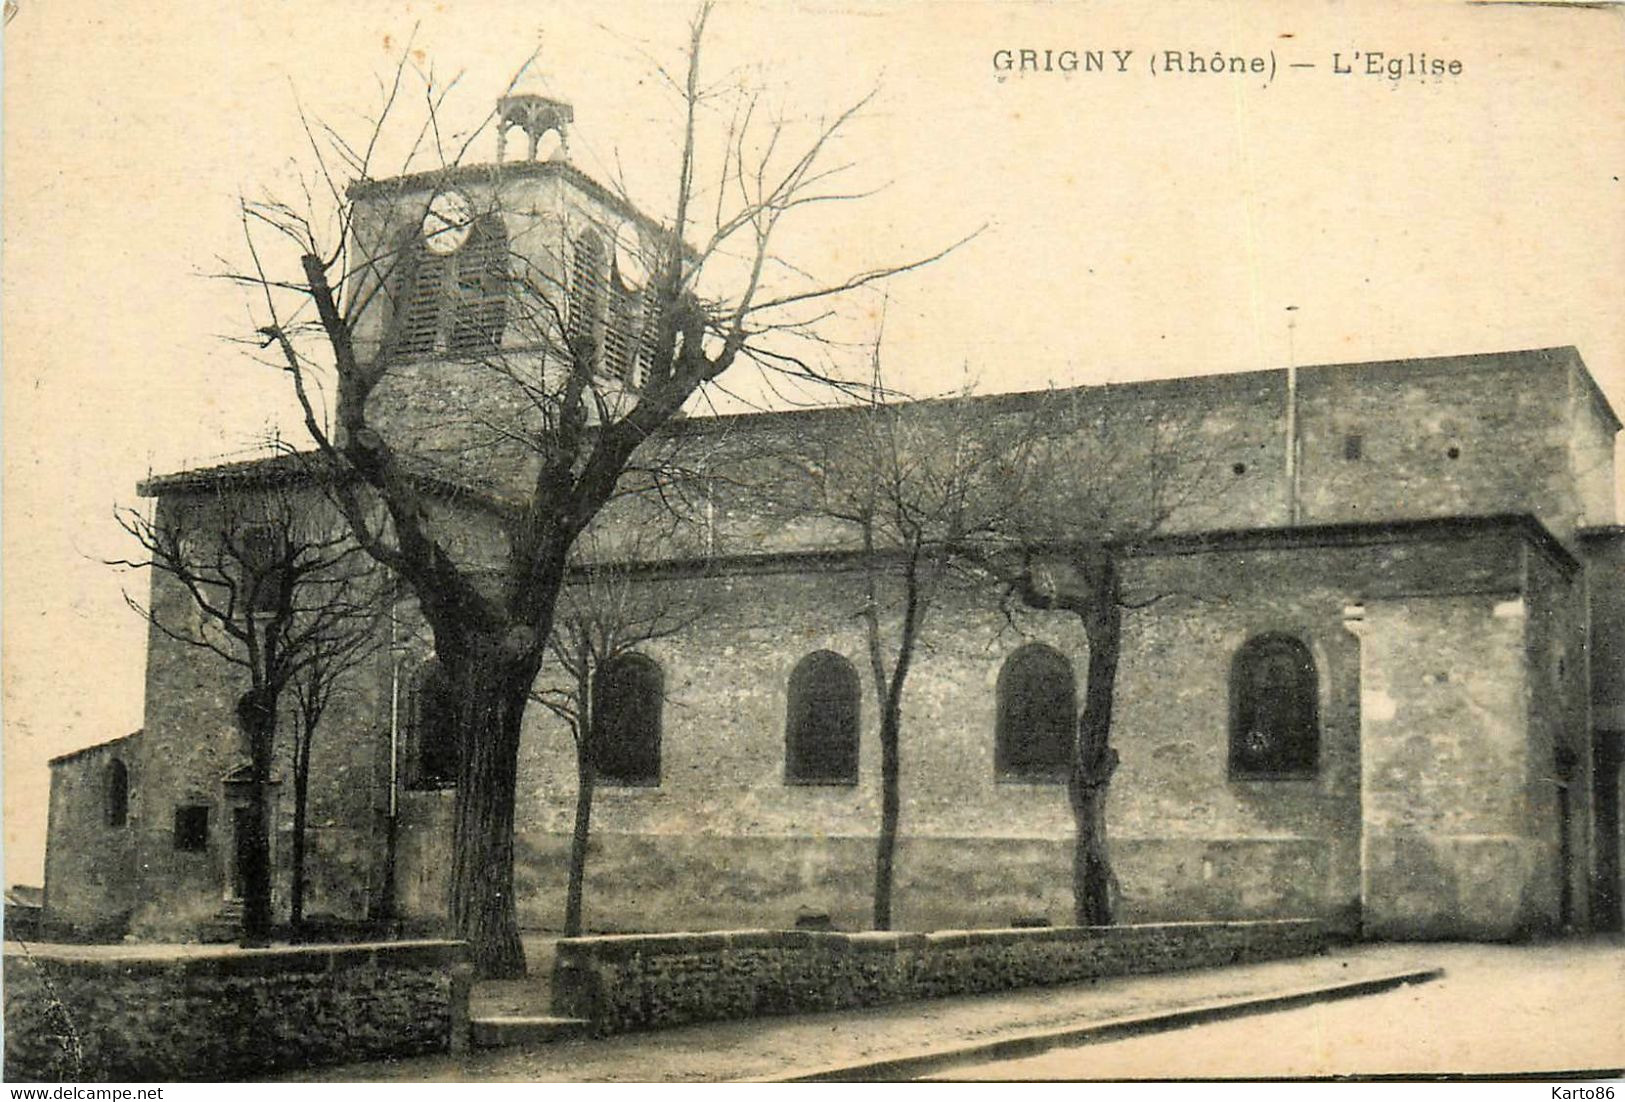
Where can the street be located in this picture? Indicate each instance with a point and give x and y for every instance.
(1497, 1010)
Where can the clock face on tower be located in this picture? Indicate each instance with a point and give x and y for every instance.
(446, 225)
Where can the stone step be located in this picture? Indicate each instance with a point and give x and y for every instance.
(494, 1031)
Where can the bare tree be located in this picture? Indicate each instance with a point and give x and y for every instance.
(593, 370)
(346, 645)
(907, 480)
(1076, 483)
(608, 610)
(272, 584)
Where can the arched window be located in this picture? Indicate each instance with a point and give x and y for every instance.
(821, 723)
(118, 793)
(454, 301)
(1274, 709)
(431, 737)
(627, 696)
(1038, 712)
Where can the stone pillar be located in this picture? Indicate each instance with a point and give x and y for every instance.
(462, 987)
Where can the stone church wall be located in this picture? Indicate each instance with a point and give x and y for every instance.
(1462, 710)
(190, 745)
(724, 842)
(1605, 656)
(1498, 433)
(1605, 566)
(90, 874)
(1449, 654)
(1561, 750)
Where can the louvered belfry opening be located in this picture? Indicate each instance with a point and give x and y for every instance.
(419, 326)
(588, 268)
(455, 303)
(622, 331)
(609, 313)
(479, 308)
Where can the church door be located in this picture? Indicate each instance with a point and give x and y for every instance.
(241, 819)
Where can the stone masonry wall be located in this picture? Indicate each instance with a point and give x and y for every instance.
(1450, 436)
(1605, 583)
(90, 871)
(191, 743)
(724, 841)
(109, 1014)
(631, 983)
(1560, 738)
(1594, 425)
(1451, 846)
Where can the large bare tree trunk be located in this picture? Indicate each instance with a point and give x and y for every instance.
(586, 779)
(491, 691)
(257, 715)
(1094, 760)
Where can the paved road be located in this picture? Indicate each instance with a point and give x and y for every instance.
(1497, 1010)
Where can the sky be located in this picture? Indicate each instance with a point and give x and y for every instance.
(1135, 223)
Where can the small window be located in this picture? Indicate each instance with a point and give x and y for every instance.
(432, 736)
(192, 828)
(821, 723)
(627, 697)
(118, 793)
(1274, 709)
(1353, 446)
(263, 552)
(1037, 715)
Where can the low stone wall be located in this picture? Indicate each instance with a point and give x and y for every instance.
(144, 1013)
(633, 982)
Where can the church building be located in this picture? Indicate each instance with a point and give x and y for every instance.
(1386, 687)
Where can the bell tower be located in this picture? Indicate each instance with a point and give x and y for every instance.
(538, 117)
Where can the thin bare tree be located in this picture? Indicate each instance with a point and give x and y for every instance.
(1076, 483)
(593, 369)
(349, 644)
(273, 583)
(610, 608)
(907, 480)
